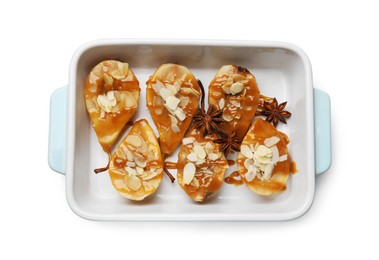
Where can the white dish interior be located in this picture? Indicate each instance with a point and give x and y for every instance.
(282, 70)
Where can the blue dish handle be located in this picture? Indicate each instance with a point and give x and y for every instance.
(322, 124)
(58, 130)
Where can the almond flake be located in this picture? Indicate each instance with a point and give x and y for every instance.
(130, 170)
(177, 86)
(157, 86)
(235, 103)
(195, 183)
(192, 157)
(134, 140)
(172, 102)
(175, 128)
(262, 159)
(171, 88)
(140, 161)
(133, 182)
(213, 156)
(200, 152)
(184, 100)
(180, 114)
(139, 170)
(165, 93)
(251, 173)
(283, 158)
(221, 103)
(131, 164)
(268, 171)
(263, 151)
(236, 88)
(189, 173)
(271, 141)
(188, 140)
(227, 117)
(275, 154)
(245, 150)
(247, 163)
(226, 89)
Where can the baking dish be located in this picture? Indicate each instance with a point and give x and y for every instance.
(281, 69)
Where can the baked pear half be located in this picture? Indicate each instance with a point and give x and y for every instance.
(234, 90)
(264, 161)
(136, 166)
(111, 95)
(201, 166)
(172, 97)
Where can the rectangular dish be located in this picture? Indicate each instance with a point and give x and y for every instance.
(281, 69)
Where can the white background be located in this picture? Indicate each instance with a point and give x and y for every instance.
(38, 39)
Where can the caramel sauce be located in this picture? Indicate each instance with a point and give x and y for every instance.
(232, 179)
(293, 168)
(171, 165)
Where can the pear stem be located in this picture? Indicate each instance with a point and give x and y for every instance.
(103, 169)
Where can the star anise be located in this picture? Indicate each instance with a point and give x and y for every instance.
(228, 142)
(274, 112)
(207, 122)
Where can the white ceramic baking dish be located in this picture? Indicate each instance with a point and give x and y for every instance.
(281, 69)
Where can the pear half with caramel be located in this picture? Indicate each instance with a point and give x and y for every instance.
(201, 166)
(234, 90)
(136, 166)
(111, 95)
(264, 161)
(172, 97)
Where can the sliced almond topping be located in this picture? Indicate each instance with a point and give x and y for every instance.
(195, 183)
(140, 161)
(131, 164)
(175, 128)
(245, 150)
(235, 103)
(200, 152)
(130, 170)
(213, 156)
(108, 81)
(139, 170)
(165, 93)
(184, 100)
(130, 101)
(247, 163)
(177, 86)
(172, 89)
(271, 141)
(226, 89)
(208, 147)
(192, 157)
(262, 159)
(188, 140)
(221, 103)
(134, 140)
(227, 117)
(216, 169)
(263, 151)
(251, 173)
(158, 111)
(236, 88)
(180, 114)
(157, 86)
(189, 173)
(275, 154)
(172, 102)
(268, 171)
(283, 158)
(133, 182)
(174, 120)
